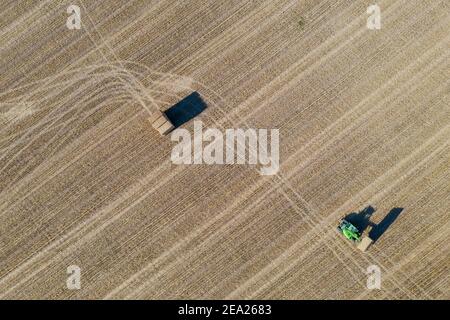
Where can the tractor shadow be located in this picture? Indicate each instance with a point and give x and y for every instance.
(361, 220)
(186, 109)
(379, 229)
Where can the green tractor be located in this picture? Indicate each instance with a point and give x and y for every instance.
(349, 231)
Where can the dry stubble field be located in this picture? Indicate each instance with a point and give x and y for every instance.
(84, 179)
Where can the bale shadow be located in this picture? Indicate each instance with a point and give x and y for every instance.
(379, 229)
(186, 109)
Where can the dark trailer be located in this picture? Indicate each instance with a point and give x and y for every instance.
(178, 114)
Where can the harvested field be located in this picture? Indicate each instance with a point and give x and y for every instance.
(363, 116)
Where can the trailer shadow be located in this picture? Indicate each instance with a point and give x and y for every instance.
(379, 229)
(186, 109)
(361, 220)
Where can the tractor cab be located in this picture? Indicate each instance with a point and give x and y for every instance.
(349, 231)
